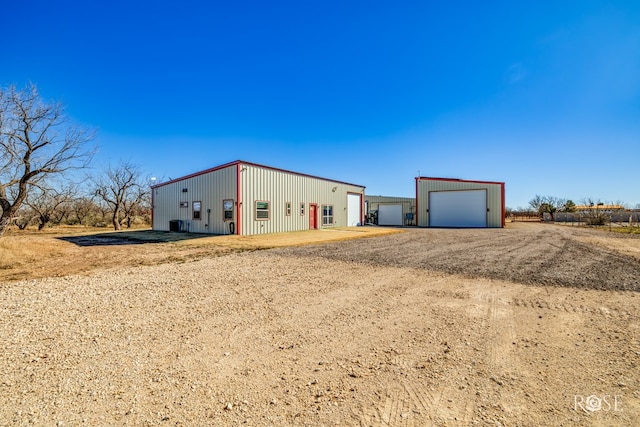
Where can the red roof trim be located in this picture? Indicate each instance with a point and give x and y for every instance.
(501, 184)
(427, 178)
(239, 162)
(226, 165)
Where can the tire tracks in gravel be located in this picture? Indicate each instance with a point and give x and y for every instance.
(420, 403)
(533, 255)
(500, 331)
(409, 401)
(501, 328)
(414, 403)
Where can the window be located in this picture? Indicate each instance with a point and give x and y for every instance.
(327, 215)
(227, 205)
(262, 210)
(287, 208)
(196, 210)
(301, 208)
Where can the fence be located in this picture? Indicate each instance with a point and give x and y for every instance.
(524, 217)
(613, 221)
(616, 219)
(622, 217)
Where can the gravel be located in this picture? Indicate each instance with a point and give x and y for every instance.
(426, 327)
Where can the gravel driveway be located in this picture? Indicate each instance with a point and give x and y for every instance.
(423, 328)
(535, 254)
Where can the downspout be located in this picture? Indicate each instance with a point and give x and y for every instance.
(417, 210)
(238, 203)
(503, 207)
(362, 197)
(152, 206)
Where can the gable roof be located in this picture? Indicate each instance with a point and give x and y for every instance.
(242, 162)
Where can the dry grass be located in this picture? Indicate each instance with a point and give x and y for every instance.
(630, 247)
(296, 238)
(24, 251)
(60, 252)
(626, 229)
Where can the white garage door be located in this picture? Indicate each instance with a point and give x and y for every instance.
(389, 214)
(458, 208)
(353, 210)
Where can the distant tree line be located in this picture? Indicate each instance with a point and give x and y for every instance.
(103, 203)
(551, 205)
(591, 211)
(39, 148)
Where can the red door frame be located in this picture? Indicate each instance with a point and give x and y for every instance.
(313, 216)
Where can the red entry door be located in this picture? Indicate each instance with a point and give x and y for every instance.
(313, 216)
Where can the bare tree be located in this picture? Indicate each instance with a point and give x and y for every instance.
(547, 204)
(24, 216)
(82, 208)
(122, 188)
(102, 212)
(594, 212)
(536, 202)
(135, 203)
(49, 204)
(36, 143)
(552, 205)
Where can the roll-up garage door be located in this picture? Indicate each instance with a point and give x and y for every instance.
(353, 210)
(389, 214)
(466, 208)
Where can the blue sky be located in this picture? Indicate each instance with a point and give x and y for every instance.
(542, 95)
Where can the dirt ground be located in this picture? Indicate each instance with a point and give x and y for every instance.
(76, 250)
(531, 325)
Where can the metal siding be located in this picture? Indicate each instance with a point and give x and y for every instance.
(279, 187)
(494, 198)
(408, 203)
(210, 189)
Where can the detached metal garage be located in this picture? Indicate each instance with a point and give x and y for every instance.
(247, 198)
(445, 202)
(391, 210)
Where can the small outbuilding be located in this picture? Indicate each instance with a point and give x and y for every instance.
(447, 202)
(247, 198)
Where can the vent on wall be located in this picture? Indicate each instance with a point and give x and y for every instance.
(184, 190)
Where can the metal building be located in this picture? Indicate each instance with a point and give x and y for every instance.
(246, 198)
(446, 202)
(388, 210)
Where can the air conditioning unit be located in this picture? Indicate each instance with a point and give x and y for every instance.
(175, 225)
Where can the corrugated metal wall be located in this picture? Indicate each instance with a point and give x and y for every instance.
(281, 187)
(209, 188)
(408, 204)
(494, 198)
